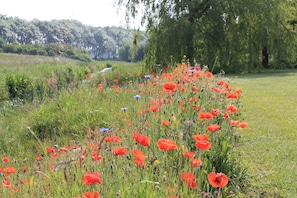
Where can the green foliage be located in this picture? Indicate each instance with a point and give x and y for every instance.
(101, 42)
(51, 50)
(19, 87)
(237, 37)
(125, 52)
(10, 48)
(1, 42)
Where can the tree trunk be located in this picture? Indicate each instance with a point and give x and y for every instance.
(265, 57)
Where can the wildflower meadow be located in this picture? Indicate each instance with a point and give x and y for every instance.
(170, 134)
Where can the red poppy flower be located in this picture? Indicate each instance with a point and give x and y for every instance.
(183, 89)
(243, 125)
(142, 139)
(64, 149)
(91, 195)
(9, 170)
(192, 184)
(154, 108)
(169, 87)
(208, 75)
(196, 162)
(165, 122)
(120, 151)
(232, 95)
(218, 90)
(5, 159)
(195, 89)
(91, 178)
(99, 87)
(55, 154)
(112, 139)
(39, 158)
(24, 169)
(217, 180)
(140, 163)
(231, 109)
(138, 154)
(213, 127)
(238, 90)
(166, 145)
(203, 145)
(115, 86)
(215, 112)
(51, 167)
(205, 115)
(6, 184)
(200, 137)
(189, 179)
(226, 116)
(189, 155)
(96, 156)
(50, 150)
(234, 122)
(223, 83)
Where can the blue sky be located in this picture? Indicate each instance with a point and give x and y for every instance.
(90, 12)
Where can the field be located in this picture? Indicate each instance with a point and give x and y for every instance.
(266, 147)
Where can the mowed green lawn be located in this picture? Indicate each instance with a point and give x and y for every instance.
(270, 142)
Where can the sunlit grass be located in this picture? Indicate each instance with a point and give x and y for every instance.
(269, 104)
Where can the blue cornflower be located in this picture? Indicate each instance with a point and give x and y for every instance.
(137, 97)
(147, 76)
(124, 108)
(192, 70)
(103, 130)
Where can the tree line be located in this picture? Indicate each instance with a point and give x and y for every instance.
(70, 37)
(230, 35)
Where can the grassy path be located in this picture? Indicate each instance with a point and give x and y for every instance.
(270, 142)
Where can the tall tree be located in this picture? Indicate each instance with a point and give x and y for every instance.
(232, 35)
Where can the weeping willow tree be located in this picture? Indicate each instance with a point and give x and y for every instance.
(233, 35)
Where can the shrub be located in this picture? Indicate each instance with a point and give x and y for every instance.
(42, 52)
(10, 48)
(51, 52)
(19, 87)
(33, 51)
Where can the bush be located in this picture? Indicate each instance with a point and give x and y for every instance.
(42, 52)
(10, 48)
(33, 51)
(19, 87)
(51, 52)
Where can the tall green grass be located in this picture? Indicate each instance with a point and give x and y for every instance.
(73, 121)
